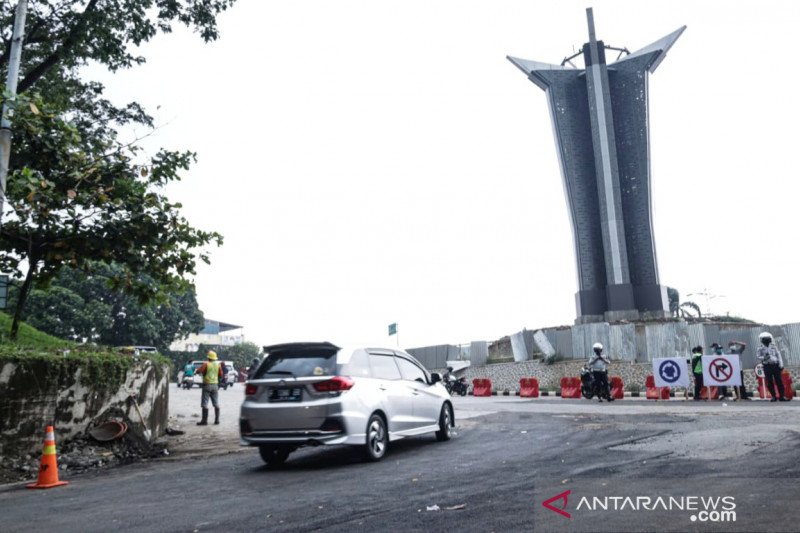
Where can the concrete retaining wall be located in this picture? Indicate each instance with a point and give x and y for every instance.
(72, 404)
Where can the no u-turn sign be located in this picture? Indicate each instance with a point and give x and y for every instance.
(721, 370)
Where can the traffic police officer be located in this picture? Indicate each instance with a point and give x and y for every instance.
(770, 357)
(598, 364)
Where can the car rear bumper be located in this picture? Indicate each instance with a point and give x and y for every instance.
(329, 426)
(296, 438)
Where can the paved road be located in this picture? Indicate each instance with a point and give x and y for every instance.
(509, 456)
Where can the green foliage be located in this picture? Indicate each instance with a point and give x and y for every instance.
(62, 35)
(732, 319)
(28, 338)
(77, 194)
(84, 307)
(690, 310)
(241, 354)
(75, 201)
(102, 368)
(51, 361)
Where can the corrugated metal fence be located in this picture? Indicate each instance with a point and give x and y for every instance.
(435, 356)
(628, 342)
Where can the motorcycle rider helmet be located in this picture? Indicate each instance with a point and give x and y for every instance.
(597, 347)
(765, 337)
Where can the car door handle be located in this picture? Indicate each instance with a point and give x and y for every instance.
(382, 387)
(415, 393)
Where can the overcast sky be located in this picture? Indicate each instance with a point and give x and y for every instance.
(373, 162)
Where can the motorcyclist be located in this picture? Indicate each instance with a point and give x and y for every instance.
(187, 376)
(253, 367)
(598, 364)
(448, 378)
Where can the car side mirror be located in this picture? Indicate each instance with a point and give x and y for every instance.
(435, 378)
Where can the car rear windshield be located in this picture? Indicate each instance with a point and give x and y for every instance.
(298, 364)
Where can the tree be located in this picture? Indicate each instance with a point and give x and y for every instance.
(690, 310)
(241, 354)
(62, 35)
(84, 307)
(77, 194)
(79, 201)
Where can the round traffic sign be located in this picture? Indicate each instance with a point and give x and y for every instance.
(720, 369)
(669, 371)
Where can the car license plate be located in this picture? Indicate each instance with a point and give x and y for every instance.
(286, 395)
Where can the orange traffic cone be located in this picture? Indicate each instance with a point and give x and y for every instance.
(48, 468)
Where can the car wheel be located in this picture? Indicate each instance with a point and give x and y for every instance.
(377, 438)
(445, 424)
(274, 455)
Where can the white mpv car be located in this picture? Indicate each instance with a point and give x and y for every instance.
(311, 394)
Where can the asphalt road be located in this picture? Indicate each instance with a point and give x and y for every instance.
(509, 456)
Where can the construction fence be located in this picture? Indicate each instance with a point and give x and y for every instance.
(634, 342)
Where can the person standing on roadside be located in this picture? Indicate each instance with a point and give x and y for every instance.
(697, 371)
(770, 357)
(598, 364)
(723, 391)
(737, 348)
(211, 371)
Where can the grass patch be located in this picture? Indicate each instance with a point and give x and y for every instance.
(51, 361)
(29, 337)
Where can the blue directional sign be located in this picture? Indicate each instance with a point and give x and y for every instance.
(669, 371)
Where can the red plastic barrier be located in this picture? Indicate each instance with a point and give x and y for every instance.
(570, 387)
(529, 387)
(617, 386)
(788, 391)
(704, 393)
(655, 393)
(481, 387)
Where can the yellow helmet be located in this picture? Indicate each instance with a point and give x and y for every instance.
(212, 355)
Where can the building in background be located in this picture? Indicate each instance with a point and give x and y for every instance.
(215, 333)
(601, 125)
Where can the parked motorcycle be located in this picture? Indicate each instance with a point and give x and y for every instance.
(591, 387)
(458, 386)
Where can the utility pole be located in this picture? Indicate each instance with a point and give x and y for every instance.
(11, 91)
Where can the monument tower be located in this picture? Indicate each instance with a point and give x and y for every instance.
(600, 122)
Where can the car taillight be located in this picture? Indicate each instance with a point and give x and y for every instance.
(336, 384)
(250, 389)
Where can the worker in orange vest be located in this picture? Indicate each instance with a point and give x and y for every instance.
(211, 371)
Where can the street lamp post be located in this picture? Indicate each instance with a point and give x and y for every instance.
(14, 59)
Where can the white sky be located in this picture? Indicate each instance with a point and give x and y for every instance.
(371, 162)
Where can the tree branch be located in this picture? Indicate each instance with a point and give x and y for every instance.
(70, 41)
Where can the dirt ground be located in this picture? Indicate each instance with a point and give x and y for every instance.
(184, 413)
